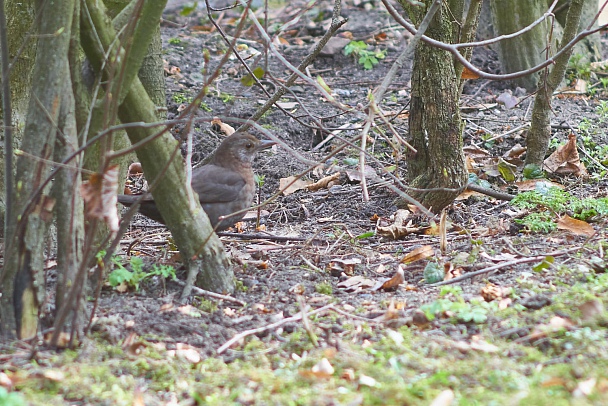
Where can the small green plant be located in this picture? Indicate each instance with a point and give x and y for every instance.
(226, 97)
(548, 203)
(324, 288)
(11, 399)
(367, 58)
(259, 179)
(133, 278)
(476, 311)
(239, 286)
(205, 107)
(578, 68)
(207, 306)
(175, 41)
(181, 98)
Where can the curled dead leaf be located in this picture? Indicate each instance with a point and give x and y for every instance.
(100, 198)
(325, 182)
(565, 160)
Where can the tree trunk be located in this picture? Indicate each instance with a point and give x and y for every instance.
(528, 49)
(70, 304)
(540, 129)
(20, 15)
(435, 127)
(23, 273)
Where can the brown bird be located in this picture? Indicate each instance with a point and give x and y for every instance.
(225, 185)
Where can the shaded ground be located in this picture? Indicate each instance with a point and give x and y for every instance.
(329, 226)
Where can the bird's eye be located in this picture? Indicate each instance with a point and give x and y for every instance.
(249, 145)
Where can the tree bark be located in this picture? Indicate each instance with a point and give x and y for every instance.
(20, 15)
(435, 126)
(528, 49)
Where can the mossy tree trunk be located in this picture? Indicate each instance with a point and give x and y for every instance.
(435, 125)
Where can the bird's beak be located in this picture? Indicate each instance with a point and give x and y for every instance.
(265, 144)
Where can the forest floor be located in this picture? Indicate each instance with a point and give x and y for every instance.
(530, 331)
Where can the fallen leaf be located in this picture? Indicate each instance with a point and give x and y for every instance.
(592, 309)
(418, 254)
(100, 198)
(325, 182)
(578, 227)
(507, 99)
(365, 380)
(218, 126)
(292, 184)
(397, 279)
(584, 388)
(565, 160)
(468, 74)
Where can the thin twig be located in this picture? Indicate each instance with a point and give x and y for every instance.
(214, 295)
(272, 326)
(504, 265)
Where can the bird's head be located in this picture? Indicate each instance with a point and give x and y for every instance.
(240, 147)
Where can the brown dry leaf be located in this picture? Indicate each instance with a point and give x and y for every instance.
(555, 324)
(450, 272)
(418, 254)
(62, 342)
(337, 266)
(474, 152)
(591, 310)
(324, 182)
(578, 227)
(565, 160)
(468, 74)
(100, 198)
(492, 292)
(354, 175)
(356, 283)
(397, 279)
(533, 184)
(515, 152)
(218, 126)
(292, 184)
(554, 381)
(399, 228)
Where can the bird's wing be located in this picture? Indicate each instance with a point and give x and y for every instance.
(215, 184)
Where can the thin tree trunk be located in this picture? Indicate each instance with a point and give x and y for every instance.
(540, 129)
(23, 273)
